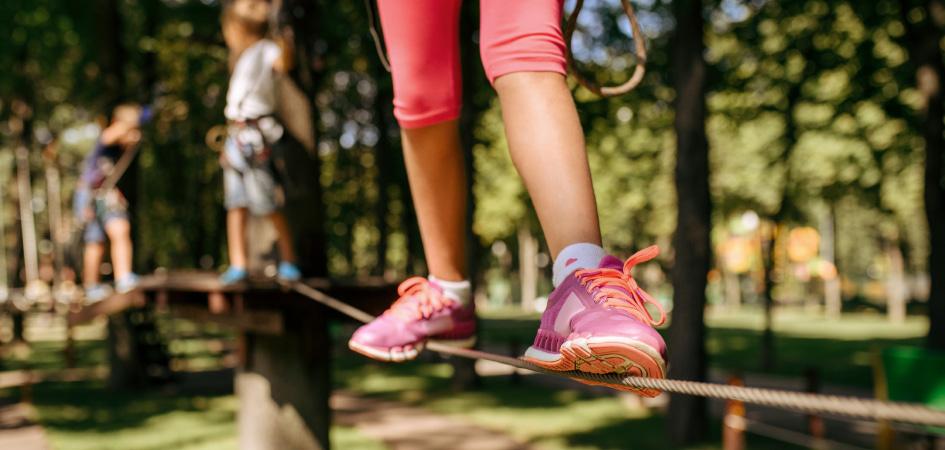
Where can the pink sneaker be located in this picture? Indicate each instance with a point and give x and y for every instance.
(421, 313)
(597, 322)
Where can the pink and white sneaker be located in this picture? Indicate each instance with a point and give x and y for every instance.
(421, 314)
(597, 322)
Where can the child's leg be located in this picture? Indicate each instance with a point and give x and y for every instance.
(119, 236)
(547, 147)
(435, 168)
(596, 318)
(422, 40)
(283, 237)
(236, 236)
(92, 256)
(523, 53)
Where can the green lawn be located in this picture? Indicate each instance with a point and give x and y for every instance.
(85, 416)
(840, 349)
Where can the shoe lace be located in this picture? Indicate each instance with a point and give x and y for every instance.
(618, 290)
(419, 299)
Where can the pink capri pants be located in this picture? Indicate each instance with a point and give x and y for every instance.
(422, 38)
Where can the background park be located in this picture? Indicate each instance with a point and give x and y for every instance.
(788, 156)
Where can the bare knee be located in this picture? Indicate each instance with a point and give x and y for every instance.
(118, 229)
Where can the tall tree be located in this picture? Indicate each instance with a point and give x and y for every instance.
(687, 414)
(304, 207)
(925, 28)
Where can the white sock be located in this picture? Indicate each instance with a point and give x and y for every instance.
(576, 256)
(460, 291)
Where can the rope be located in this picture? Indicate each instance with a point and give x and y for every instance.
(853, 407)
(794, 437)
(569, 27)
(375, 36)
(640, 49)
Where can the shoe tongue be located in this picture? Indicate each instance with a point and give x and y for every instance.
(610, 262)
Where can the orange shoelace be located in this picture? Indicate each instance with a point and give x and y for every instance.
(418, 299)
(618, 290)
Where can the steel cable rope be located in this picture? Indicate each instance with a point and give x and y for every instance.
(845, 406)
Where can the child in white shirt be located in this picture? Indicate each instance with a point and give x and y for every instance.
(249, 182)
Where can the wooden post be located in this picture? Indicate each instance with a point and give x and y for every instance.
(69, 351)
(815, 423)
(284, 386)
(125, 368)
(733, 423)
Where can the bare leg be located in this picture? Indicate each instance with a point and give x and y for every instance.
(547, 146)
(119, 235)
(436, 170)
(92, 257)
(284, 237)
(236, 236)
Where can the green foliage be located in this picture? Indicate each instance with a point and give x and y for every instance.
(808, 108)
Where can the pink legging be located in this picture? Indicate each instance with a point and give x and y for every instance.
(422, 38)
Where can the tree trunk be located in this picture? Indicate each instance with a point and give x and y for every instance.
(4, 267)
(112, 54)
(385, 167)
(528, 266)
(897, 291)
(923, 43)
(687, 414)
(833, 298)
(304, 204)
(767, 335)
(25, 191)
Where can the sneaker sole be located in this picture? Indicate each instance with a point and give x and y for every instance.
(603, 355)
(408, 352)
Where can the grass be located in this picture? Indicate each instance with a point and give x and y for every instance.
(86, 416)
(79, 416)
(550, 419)
(840, 349)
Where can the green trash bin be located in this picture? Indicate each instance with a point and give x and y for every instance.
(915, 375)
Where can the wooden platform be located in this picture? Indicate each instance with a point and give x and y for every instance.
(283, 378)
(257, 305)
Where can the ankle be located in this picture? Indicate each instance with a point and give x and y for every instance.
(581, 255)
(460, 291)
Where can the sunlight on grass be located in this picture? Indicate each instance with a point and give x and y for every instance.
(84, 416)
(210, 424)
(855, 326)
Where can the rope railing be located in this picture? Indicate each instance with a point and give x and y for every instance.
(843, 406)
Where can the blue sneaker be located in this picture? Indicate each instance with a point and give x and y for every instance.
(97, 293)
(233, 275)
(288, 272)
(126, 283)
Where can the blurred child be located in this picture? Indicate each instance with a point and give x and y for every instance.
(249, 180)
(103, 210)
(597, 319)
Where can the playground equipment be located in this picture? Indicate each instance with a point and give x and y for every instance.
(284, 359)
(283, 374)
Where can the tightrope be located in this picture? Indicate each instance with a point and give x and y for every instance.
(844, 406)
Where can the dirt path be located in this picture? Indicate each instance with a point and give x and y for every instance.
(386, 420)
(17, 431)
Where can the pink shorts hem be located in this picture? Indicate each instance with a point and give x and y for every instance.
(517, 65)
(428, 119)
